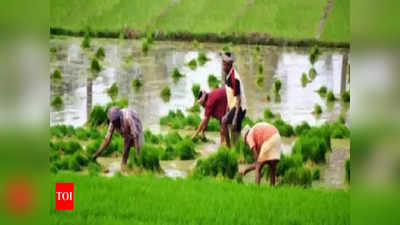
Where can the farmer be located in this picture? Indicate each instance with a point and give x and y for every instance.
(236, 98)
(129, 126)
(265, 142)
(214, 104)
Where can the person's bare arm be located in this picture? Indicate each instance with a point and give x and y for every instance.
(202, 126)
(106, 142)
(237, 106)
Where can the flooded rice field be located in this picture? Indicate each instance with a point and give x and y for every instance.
(124, 61)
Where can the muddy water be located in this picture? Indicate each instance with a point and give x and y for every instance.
(125, 61)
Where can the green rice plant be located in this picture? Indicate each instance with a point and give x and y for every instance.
(97, 116)
(338, 130)
(298, 176)
(174, 119)
(56, 76)
(148, 158)
(316, 174)
(149, 37)
(260, 69)
(136, 83)
(195, 90)
(185, 149)
(192, 120)
(330, 97)
(312, 145)
(81, 159)
(224, 162)
(287, 162)
(322, 91)
(341, 119)
(195, 44)
(73, 164)
(213, 125)
(284, 128)
(57, 102)
(202, 58)
(82, 134)
(346, 96)
(227, 47)
(277, 85)
(152, 138)
(53, 168)
(95, 66)
(115, 145)
(145, 45)
(176, 75)
(62, 131)
(172, 138)
(169, 153)
(247, 121)
(317, 109)
(121, 103)
(315, 52)
(112, 91)
(301, 128)
(92, 147)
(70, 147)
(85, 44)
(100, 53)
(192, 64)
(94, 169)
(312, 73)
(348, 170)
(195, 108)
(242, 149)
(165, 93)
(268, 114)
(304, 79)
(260, 81)
(213, 82)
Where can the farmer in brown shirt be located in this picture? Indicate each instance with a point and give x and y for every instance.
(128, 124)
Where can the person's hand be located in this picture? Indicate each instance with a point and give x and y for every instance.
(225, 118)
(194, 136)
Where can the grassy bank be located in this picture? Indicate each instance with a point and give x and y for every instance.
(238, 21)
(149, 200)
(337, 25)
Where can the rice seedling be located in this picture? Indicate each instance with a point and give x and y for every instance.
(316, 174)
(227, 47)
(62, 131)
(68, 147)
(277, 85)
(287, 162)
(312, 73)
(312, 145)
(82, 134)
(192, 64)
(338, 130)
(195, 90)
(213, 82)
(56, 77)
(315, 52)
(169, 153)
(112, 91)
(136, 83)
(341, 119)
(95, 66)
(346, 96)
(148, 158)
(192, 120)
(94, 169)
(145, 45)
(244, 151)
(330, 97)
(121, 103)
(152, 138)
(322, 91)
(284, 128)
(268, 114)
(195, 108)
(186, 150)
(57, 102)
(260, 81)
(81, 159)
(260, 69)
(298, 176)
(176, 75)
(224, 162)
(202, 58)
(172, 138)
(195, 44)
(304, 79)
(317, 109)
(165, 93)
(86, 41)
(100, 53)
(301, 128)
(97, 116)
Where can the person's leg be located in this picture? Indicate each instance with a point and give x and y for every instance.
(137, 147)
(125, 155)
(225, 126)
(272, 167)
(259, 166)
(222, 134)
(236, 132)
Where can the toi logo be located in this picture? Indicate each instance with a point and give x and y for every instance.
(64, 196)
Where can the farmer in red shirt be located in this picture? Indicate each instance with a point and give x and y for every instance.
(214, 104)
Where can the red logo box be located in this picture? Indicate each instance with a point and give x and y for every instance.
(64, 196)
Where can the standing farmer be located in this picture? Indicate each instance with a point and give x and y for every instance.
(129, 126)
(214, 104)
(265, 143)
(236, 99)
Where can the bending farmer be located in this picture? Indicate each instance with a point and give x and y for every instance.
(129, 126)
(214, 104)
(265, 143)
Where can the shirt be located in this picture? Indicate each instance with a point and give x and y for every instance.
(260, 133)
(234, 88)
(216, 104)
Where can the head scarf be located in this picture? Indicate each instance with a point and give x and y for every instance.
(114, 113)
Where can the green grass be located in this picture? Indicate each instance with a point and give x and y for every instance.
(148, 200)
(337, 25)
(282, 18)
